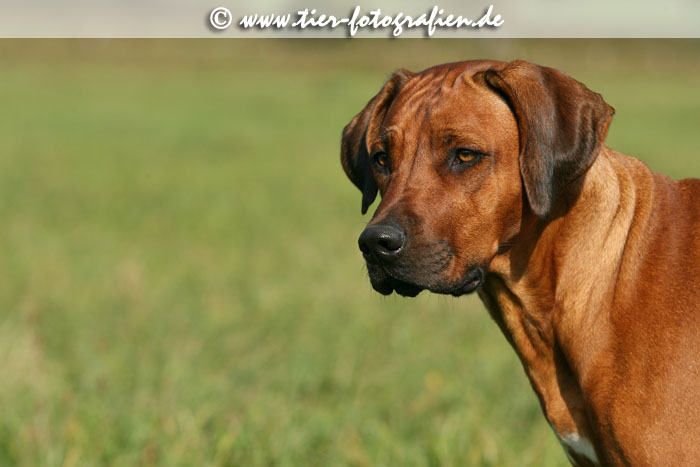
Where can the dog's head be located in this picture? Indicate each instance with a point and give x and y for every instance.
(460, 154)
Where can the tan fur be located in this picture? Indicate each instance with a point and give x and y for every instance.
(600, 299)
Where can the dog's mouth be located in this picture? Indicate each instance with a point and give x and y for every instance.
(388, 285)
(473, 280)
(385, 283)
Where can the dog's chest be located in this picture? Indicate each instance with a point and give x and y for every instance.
(576, 446)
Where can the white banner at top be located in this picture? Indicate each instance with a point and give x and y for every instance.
(279, 18)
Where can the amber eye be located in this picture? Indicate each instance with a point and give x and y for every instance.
(381, 158)
(467, 155)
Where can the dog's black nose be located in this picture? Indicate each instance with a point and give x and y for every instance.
(382, 242)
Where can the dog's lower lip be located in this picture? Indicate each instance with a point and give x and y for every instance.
(407, 290)
(386, 285)
(402, 288)
(383, 288)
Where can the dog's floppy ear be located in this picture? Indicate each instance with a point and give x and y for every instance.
(354, 152)
(562, 126)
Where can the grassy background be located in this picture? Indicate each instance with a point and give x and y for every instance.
(180, 278)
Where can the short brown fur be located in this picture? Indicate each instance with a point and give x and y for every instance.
(590, 262)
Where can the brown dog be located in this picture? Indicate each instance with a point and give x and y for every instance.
(494, 178)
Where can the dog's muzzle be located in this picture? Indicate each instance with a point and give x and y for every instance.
(391, 268)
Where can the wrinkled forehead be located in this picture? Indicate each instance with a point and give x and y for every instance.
(450, 94)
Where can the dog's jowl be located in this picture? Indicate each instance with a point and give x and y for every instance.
(494, 178)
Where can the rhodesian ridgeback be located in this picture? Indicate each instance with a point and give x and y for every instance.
(494, 178)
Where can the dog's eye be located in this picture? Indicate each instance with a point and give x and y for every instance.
(467, 156)
(381, 159)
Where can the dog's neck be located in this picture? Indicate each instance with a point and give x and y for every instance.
(558, 334)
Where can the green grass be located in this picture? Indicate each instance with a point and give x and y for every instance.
(180, 278)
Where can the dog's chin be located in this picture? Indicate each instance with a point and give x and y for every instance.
(386, 284)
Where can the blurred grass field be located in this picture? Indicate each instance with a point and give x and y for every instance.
(181, 283)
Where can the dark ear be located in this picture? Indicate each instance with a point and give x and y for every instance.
(562, 126)
(354, 152)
